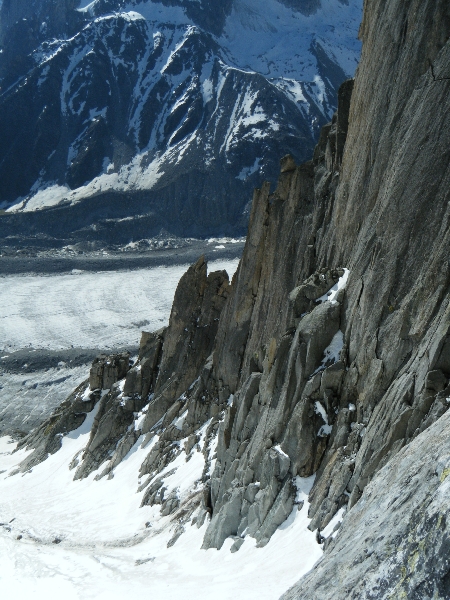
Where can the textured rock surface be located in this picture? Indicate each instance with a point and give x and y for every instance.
(188, 342)
(394, 543)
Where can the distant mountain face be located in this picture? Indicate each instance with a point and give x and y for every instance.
(165, 114)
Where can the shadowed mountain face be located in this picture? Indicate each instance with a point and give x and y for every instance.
(167, 113)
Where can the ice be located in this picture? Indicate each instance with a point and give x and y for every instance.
(89, 310)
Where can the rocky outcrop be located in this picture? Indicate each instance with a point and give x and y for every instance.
(394, 542)
(99, 390)
(189, 340)
(69, 416)
(169, 370)
(106, 370)
(389, 221)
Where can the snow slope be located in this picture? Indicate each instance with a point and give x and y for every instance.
(89, 539)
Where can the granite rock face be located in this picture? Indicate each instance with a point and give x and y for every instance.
(394, 542)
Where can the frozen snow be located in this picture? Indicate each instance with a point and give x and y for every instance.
(333, 351)
(111, 549)
(326, 428)
(330, 296)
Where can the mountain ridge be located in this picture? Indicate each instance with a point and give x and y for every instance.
(134, 107)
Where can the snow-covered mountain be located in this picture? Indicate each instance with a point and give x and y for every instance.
(166, 114)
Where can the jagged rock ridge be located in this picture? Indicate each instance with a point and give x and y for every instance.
(265, 417)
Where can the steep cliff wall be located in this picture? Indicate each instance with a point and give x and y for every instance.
(390, 226)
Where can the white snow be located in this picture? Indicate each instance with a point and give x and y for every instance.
(108, 552)
(84, 4)
(326, 428)
(91, 310)
(248, 171)
(226, 240)
(274, 40)
(266, 38)
(328, 530)
(280, 451)
(318, 408)
(292, 88)
(207, 91)
(333, 351)
(180, 421)
(330, 296)
(50, 196)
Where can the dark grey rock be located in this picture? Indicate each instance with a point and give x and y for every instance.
(107, 370)
(46, 439)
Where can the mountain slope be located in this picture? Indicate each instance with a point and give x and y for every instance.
(166, 114)
(313, 390)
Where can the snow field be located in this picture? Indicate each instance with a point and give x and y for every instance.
(89, 539)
